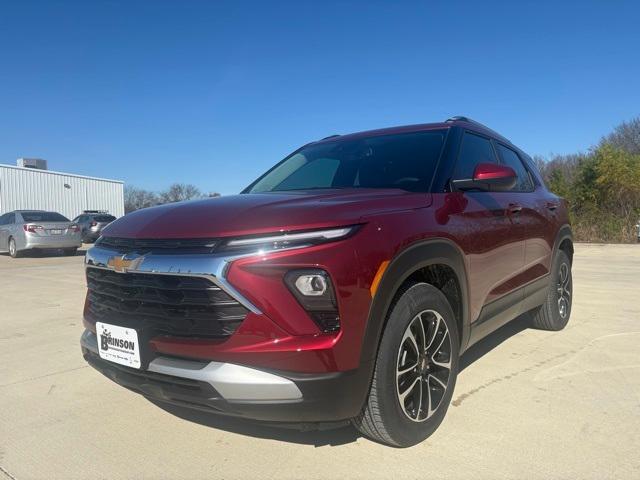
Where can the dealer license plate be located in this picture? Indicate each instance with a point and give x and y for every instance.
(118, 344)
(55, 232)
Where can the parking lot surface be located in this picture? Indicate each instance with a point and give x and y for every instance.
(528, 404)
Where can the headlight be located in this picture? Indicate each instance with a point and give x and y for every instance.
(278, 241)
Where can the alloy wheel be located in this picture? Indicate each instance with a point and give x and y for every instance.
(564, 290)
(12, 247)
(423, 365)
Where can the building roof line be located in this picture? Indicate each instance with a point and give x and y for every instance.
(2, 165)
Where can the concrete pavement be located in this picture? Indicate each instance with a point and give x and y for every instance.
(528, 404)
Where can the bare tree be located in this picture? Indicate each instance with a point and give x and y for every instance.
(625, 136)
(179, 192)
(137, 198)
(565, 165)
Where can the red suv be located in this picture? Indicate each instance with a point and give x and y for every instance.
(342, 285)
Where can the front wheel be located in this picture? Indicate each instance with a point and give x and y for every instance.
(416, 369)
(555, 312)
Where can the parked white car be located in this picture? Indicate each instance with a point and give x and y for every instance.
(24, 230)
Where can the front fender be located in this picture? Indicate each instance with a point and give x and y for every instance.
(418, 255)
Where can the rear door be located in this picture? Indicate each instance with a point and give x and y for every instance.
(534, 214)
(494, 234)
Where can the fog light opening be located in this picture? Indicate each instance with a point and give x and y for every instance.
(314, 291)
(311, 285)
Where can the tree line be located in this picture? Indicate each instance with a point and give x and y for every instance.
(602, 186)
(137, 198)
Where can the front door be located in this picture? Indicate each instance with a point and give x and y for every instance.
(494, 236)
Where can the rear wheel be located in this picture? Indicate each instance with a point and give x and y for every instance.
(13, 249)
(416, 369)
(556, 310)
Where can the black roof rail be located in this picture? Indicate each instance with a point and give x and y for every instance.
(330, 136)
(458, 118)
(462, 118)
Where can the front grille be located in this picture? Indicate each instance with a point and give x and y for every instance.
(161, 304)
(140, 245)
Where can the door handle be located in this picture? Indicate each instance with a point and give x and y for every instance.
(552, 206)
(515, 208)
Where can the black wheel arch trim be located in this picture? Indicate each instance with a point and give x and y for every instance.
(414, 257)
(564, 233)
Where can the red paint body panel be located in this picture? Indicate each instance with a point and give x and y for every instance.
(261, 213)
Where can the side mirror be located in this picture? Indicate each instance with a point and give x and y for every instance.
(489, 177)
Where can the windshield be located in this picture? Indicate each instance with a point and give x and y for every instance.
(43, 217)
(405, 161)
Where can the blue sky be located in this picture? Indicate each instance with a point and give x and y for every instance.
(212, 93)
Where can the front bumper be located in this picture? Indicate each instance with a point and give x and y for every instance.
(237, 390)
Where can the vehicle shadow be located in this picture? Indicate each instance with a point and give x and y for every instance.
(340, 435)
(318, 438)
(81, 252)
(54, 252)
(504, 333)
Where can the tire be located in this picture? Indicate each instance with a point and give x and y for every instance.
(70, 252)
(384, 418)
(13, 249)
(554, 314)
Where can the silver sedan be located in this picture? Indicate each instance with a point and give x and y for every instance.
(24, 230)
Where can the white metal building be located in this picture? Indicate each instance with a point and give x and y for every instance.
(65, 193)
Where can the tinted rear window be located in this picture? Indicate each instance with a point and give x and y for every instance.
(405, 161)
(43, 217)
(104, 218)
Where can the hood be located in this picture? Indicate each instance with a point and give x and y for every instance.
(257, 213)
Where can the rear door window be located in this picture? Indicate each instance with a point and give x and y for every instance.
(511, 159)
(475, 149)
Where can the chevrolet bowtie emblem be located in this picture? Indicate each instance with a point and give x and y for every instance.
(123, 264)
